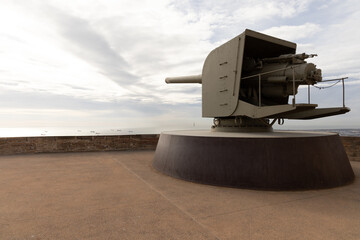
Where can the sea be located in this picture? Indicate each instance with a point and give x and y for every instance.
(35, 132)
(342, 132)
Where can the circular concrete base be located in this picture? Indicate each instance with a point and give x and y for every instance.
(279, 160)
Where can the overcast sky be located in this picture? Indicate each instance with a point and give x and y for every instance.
(102, 64)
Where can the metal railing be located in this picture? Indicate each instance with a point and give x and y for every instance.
(293, 83)
(332, 80)
(277, 70)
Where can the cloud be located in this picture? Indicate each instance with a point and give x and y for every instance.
(339, 46)
(81, 39)
(293, 33)
(256, 10)
(44, 109)
(109, 59)
(125, 106)
(229, 18)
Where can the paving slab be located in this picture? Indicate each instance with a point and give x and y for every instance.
(118, 195)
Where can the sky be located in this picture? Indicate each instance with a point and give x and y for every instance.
(102, 64)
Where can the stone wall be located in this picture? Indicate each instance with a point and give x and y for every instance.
(352, 147)
(19, 145)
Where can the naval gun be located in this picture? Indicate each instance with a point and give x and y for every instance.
(247, 81)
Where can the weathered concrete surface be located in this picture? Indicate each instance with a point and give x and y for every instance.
(118, 195)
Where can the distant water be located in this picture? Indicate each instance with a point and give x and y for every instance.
(32, 132)
(343, 132)
(35, 132)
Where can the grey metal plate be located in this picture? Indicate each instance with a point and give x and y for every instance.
(220, 79)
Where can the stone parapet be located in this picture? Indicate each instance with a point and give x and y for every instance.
(21, 145)
(352, 147)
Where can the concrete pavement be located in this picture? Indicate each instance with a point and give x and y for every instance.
(118, 195)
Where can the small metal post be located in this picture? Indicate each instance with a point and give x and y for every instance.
(308, 93)
(293, 73)
(259, 90)
(343, 85)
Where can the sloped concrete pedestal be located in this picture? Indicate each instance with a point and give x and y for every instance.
(279, 160)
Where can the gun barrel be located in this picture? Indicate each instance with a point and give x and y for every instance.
(184, 79)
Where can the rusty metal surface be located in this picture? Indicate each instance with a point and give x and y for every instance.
(258, 163)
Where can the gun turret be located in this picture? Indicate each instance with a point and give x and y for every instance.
(248, 80)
